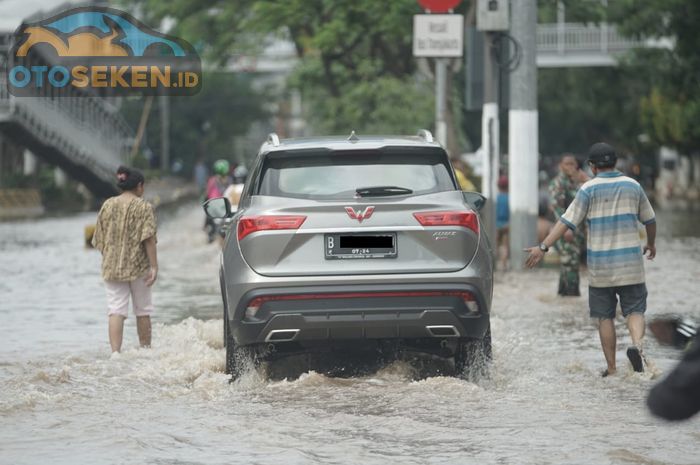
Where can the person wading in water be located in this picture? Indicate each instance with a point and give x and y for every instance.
(562, 191)
(126, 236)
(613, 206)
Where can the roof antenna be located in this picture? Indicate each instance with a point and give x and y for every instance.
(353, 137)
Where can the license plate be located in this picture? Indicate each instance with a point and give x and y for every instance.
(348, 246)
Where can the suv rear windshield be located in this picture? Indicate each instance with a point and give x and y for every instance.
(336, 175)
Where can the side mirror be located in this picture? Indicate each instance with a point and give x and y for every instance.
(219, 207)
(475, 200)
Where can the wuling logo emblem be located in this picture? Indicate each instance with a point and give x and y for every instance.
(359, 215)
(98, 50)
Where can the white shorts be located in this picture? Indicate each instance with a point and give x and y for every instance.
(118, 293)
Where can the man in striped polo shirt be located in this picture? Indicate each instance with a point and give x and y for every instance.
(613, 205)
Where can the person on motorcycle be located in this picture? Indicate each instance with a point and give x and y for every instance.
(216, 186)
(219, 182)
(234, 191)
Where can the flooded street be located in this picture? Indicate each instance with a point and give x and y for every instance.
(63, 399)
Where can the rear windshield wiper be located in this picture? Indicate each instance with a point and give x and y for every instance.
(376, 191)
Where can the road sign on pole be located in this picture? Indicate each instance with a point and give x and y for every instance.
(439, 6)
(438, 36)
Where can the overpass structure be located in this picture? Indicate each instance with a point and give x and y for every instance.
(83, 135)
(564, 45)
(559, 45)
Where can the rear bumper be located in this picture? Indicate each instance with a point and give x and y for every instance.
(403, 311)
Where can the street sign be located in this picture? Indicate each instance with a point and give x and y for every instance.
(438, 36)
(439, 6)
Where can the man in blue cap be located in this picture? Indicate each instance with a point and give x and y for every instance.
(613, 205)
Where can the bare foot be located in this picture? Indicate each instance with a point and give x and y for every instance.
(608, 372)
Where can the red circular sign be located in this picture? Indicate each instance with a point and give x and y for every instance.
(439, 6)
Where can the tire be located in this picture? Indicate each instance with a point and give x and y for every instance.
(231, 353)
(473, 357)
(238, 359)
(225, 304)
(229, 344)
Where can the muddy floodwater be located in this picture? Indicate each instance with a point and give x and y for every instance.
(64, 400)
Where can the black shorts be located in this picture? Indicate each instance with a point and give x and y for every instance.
(602, 301)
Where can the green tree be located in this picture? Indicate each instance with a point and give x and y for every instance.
(670, 108)
(580, 106)
(575, 11)
(356, 71)
(205, 124)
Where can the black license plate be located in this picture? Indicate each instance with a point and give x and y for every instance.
(342, 246)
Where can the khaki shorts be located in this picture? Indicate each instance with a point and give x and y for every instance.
(118, 293)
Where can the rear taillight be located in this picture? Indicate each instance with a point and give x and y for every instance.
(253, 307)
(251, 224)
(464, 219)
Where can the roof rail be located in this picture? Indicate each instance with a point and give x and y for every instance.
(425, 135)
(273, 139)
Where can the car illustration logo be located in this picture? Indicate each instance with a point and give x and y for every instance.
(94, 33)
(102, 50)
(360, 214)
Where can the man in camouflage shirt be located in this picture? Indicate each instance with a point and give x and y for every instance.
(562, 191)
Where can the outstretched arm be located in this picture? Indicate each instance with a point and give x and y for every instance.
(535, 253)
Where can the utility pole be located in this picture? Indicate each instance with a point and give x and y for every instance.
(491, 16)
(440, 100)
(490, 132)
(523, 146)
(164, 133)
(440, 36)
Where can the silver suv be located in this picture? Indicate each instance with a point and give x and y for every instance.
(361, 242)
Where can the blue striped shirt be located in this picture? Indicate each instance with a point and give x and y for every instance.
(613, 205)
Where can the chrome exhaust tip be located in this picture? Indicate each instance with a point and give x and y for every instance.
(442, 331)
(281, 335)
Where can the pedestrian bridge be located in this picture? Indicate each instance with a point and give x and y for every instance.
(83, 135)
(564, 45)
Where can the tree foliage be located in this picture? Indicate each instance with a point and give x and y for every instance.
(575, 11)
(671, 107)
(356, 70)
(579, 106)
(202, 125)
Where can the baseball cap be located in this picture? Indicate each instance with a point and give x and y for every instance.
(602, 154)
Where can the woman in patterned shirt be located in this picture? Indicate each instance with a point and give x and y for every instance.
(126, 236)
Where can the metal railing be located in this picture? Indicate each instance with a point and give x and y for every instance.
(87, 130)
(576, 37)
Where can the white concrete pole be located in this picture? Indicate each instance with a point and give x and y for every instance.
(523, 143)
(164, 133)
(59, 177)
(490, 138)
(490, 131)
(296, 123)
(440, 100)
(30, 163)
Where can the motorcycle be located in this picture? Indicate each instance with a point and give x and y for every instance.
(673, 330)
